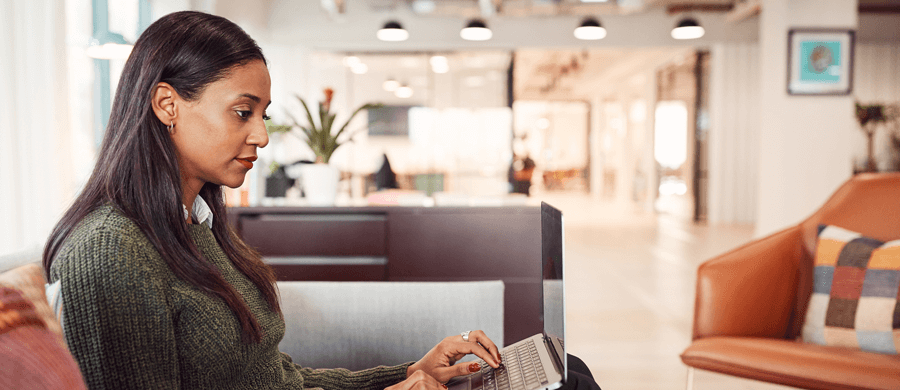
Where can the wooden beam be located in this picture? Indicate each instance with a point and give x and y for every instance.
(879, 8)
(744, 10)
(673, 9)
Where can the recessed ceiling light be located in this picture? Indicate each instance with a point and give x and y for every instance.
(359, 68)
(476, 30)
(349, 61)
(439, 64)
(392, 32)
(688, 28)
(590, 30)
(403, 92)
(423, 6)
(390, 85)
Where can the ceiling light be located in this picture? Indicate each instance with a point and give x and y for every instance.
(404, 91)
(390, 85)
(109, 46)
(476, 30)
(349, 61)
(590, 30)
(439, 64)
(359, 68)
(392, 32)
(688, 28)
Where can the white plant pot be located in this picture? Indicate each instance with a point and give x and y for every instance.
(320, 183)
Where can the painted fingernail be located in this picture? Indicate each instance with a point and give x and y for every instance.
(444, 386)
(474, 367)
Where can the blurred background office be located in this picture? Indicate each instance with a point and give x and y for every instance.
(690, 145)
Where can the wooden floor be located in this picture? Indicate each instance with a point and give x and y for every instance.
(630, 281)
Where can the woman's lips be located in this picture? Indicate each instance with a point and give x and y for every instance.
(246, 162)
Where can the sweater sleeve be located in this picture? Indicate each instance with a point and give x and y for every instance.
(376, 378)
(117, 321)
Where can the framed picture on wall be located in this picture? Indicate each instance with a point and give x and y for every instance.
(820, 61)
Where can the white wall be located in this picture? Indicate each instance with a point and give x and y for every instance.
(734, 133)
(803, 155)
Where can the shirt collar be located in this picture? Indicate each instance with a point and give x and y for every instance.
(200, 211)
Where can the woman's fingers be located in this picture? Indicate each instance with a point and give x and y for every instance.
(477, 350)
(480, 338)
(461, 369)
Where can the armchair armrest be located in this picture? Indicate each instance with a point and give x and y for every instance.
(751, 290)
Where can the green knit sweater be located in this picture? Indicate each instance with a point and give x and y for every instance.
(131, 323)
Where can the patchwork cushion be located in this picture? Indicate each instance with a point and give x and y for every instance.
(856, 286)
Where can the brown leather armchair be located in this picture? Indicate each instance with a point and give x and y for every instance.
(751, 302)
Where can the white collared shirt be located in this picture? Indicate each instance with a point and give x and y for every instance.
(201, 212)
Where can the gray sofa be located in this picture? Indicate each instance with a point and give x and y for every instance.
(351, 325)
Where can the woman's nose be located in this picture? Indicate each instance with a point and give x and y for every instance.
(259, 136)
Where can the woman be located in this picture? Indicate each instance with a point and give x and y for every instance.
(157, 290)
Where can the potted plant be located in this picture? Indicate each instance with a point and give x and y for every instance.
(320, 180)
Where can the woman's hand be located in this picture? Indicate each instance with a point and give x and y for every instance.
(439, 362)
(419, 380)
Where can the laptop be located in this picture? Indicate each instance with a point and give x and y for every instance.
(538, 362)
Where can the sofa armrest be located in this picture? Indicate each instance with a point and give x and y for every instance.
(750, 291)
(357, 325)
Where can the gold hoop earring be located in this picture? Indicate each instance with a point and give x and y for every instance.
(171, 127)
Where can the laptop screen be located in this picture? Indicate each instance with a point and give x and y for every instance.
(552, 265)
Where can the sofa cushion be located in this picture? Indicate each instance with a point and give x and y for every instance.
(29, 280)
(32, 356)
(856, 282)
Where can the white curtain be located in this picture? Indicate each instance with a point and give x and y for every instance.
(36, 166)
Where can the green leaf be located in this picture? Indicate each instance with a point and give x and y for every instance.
(309, 116)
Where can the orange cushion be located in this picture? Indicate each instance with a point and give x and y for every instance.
(29, 280)
(32, 356)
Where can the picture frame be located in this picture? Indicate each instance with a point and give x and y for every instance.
(820, 61)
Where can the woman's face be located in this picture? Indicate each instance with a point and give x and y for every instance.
(216, 136)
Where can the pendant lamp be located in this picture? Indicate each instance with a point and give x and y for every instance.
(688, 28)
(590, 30)
(392, 32)
(476, 30)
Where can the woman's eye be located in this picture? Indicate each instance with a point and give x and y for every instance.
(243, 114)
(266, 117)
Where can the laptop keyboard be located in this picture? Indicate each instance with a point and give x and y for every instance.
(521, 369)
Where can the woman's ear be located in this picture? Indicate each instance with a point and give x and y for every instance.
(164, 103)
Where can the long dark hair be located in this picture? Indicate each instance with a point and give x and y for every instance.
(137, 170)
